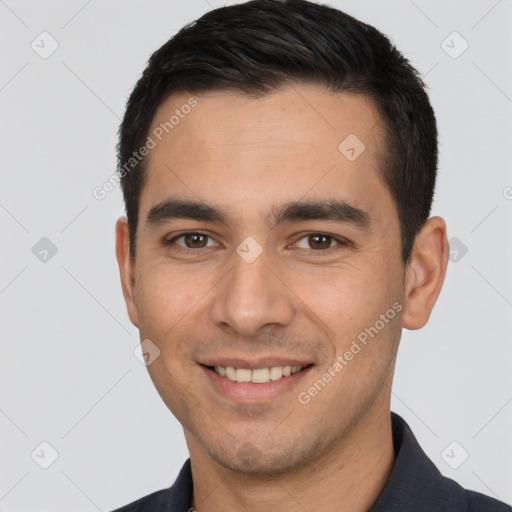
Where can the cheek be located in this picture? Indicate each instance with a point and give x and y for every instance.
(346, 298)
(165, 296)
(362, 310)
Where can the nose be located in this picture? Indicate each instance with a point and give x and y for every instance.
(252, 297)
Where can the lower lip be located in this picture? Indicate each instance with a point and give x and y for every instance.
(249, 392)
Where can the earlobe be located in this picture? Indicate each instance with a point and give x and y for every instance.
(425, 273)
(126, 268)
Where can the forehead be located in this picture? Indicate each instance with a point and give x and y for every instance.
(296, 115)
(237, 150)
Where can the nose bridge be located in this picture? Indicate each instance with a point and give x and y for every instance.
(252, 295)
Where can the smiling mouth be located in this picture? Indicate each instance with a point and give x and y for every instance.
(257, 375)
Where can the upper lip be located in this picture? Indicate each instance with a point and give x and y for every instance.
(264, 362)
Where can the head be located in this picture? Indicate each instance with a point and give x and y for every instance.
(301, 148)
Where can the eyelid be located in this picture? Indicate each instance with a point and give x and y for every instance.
(185, 233)
(340, 241)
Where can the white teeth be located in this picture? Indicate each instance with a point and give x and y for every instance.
(243, 375)
(276, 372)
(231, 373)
(261, 375)
(258, 375)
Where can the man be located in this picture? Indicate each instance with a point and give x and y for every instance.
(278, 163)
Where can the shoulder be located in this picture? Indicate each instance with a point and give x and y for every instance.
(480, 503)
(469, 501)
(416, 483)
(176, 497)
(154, 502)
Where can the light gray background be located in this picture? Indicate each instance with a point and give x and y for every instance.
(68, 375)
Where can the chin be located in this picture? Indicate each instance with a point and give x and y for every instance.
(264, 457)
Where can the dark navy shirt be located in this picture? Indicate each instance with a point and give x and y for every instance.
(414, 485)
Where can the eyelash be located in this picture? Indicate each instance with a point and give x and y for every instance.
(318, 252)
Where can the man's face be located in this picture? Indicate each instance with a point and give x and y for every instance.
(258, 290)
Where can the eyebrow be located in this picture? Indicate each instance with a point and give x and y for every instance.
(335, 210)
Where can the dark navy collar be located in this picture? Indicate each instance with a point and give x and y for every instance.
(414, 485)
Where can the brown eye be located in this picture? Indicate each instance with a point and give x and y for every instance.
(319, 241)
(191, 240)
(195, 240)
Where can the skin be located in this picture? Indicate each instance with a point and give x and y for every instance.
(247, 155)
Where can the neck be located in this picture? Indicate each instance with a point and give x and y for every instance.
(347, 477)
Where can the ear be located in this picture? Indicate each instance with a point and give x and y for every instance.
(425, 273)
(126, 268)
